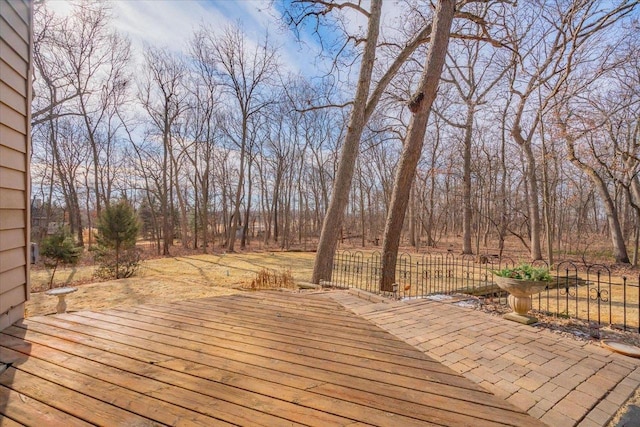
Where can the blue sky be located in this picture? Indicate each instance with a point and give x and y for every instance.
(170, 23)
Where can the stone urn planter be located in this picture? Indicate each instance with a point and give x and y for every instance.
(520, 292)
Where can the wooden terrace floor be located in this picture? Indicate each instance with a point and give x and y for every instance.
(254, 359)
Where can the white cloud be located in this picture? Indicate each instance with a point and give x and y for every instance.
(163, 23)
(170, 23)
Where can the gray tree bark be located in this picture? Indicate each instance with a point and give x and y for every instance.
(420, 106)
(362, 110)
(323, 263)
(466, 186)
(615, 231)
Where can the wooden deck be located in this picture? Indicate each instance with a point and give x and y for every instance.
(256, 359)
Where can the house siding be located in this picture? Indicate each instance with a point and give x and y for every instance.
(15, 109)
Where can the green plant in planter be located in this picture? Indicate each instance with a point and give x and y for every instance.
(522, 281)
(525, 271)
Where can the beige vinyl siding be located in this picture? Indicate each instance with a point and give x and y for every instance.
(10, 75)
(10, 259)
(11, 139)
(10, 158)
(15, 95)
(12, 218)
(12, 239)
(9, 278)
(12, 179)
(13, 99)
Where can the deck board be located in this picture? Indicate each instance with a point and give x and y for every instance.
(23, 410)
(266, 358)
(252, 344)
(208, 324)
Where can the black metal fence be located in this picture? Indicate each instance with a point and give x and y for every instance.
(589, 294)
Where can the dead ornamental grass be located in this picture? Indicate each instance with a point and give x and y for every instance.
(168, 279)
(273, 279)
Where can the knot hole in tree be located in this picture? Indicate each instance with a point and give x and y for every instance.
(415, 101)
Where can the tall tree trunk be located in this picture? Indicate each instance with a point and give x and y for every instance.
(184, 220)
(196, 196)
(323, 263)
(420, 106)
(247, 213)
(288, 194)
(167, 229)
(466, 186)
(504, 216)
(362, 210)
(275, 207)
(78, 214)
(615, 231)
(412, 217)
(546, 199)
(204, 211)
(634, 196)
(266, 208)
(235, 218)
(97, 176)
(430, 226)
(532, 199)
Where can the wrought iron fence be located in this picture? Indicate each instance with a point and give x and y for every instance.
(591, 295)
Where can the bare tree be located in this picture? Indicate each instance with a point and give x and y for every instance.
(600, 133)
(52, 91)
(97, 58)
(420, 107)
(205, 131)
(227, 146)
(363, 106)
(473, 74)
(244, 72)
(548, 44)
(617, 239)
(81, 65)
(163, 97)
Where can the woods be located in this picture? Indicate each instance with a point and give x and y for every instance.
(530, 131)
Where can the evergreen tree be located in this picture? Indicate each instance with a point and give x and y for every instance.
(117, 233)
(59, 248)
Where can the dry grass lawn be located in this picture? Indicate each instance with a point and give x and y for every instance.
(166, 279)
